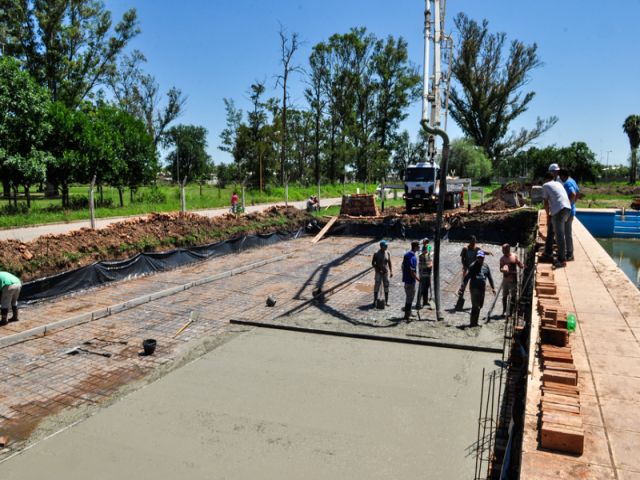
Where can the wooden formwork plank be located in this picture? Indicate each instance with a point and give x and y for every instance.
(324, 230)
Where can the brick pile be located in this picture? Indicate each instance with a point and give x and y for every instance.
(359, 205)
(561, 421)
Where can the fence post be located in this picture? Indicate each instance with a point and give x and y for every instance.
(243, 210)
(469, 196)
(92, 208)
(286, 194)
(318, 195)
(183, 200)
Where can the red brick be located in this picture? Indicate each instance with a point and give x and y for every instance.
(562, 438)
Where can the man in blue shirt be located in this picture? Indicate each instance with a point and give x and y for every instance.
(410, 276)
(571, 187)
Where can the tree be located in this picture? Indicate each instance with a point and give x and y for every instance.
(23, 127)
(189, 159)
(469, 161)
(288, 48)
(137, 93)
(577, 158)
(631, 127)
(488, 95)
(68, 46)
(67, 142)
(314, 95)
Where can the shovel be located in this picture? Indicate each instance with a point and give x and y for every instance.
(193, 317)
(77, 349)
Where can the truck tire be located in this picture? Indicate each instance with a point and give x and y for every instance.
(409, 206)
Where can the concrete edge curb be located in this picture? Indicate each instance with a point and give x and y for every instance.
(42, 330)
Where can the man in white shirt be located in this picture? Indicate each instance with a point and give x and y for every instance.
(558, 208)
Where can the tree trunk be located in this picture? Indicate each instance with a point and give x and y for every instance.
(633, 171)
(101, 194)
(27, 194)
(120, 194)
(283, 147)
(6, 188)
(15, 196)
(65, 195)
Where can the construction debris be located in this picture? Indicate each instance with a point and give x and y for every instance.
(324, 230)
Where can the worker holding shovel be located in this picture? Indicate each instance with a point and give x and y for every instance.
(477, 275)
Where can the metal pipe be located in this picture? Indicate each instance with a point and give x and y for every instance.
(425, 68)
(444, 165)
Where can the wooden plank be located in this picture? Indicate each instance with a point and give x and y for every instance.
(325, 229)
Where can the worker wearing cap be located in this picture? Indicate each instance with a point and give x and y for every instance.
(425, 264)
(477, 277)
(381, 263)
(554, 170)
(10, 286)
(509, 264)
(410, 277)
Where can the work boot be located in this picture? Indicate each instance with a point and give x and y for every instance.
(474, 318)
(386, 298)
(14, 318)
(3, 316)
(375, 301)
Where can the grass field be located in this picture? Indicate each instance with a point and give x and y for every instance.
(162, 199)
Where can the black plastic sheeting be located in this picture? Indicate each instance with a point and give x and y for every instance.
(142, 264)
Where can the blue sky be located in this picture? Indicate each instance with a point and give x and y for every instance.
(213, 49)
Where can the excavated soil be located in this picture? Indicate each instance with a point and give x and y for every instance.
(51, 254)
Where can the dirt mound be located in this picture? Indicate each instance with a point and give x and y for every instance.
(506, 197)
(52, 254)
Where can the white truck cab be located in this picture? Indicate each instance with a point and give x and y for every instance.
(422, 186)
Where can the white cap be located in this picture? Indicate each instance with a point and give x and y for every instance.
(554, 167)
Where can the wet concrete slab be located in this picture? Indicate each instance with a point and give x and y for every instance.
(272, 404)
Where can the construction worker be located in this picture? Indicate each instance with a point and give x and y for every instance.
(381, 263)
(425, 264)
(558, 208)
(10, 286)
(509, 264)
(547, 256)
(477, 276)
(410, 277)
(468, 254)
(571, 187)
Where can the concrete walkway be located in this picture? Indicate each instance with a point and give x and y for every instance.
(26, 234)
(606, 351)
(275, 405)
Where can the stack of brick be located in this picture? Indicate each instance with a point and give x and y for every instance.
(561, 421)
(359, 206)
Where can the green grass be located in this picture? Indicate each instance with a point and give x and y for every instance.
(49, 211)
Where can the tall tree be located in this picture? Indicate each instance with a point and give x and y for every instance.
(288, 47)
(23, 127)
(189, 157)
(138, 94)
(316, 78)
(70, 46)
(631, 127)
(488, 95)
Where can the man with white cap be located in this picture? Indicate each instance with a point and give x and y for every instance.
(381, 263)
(558, 208)
(477, 277)
(554, 169)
